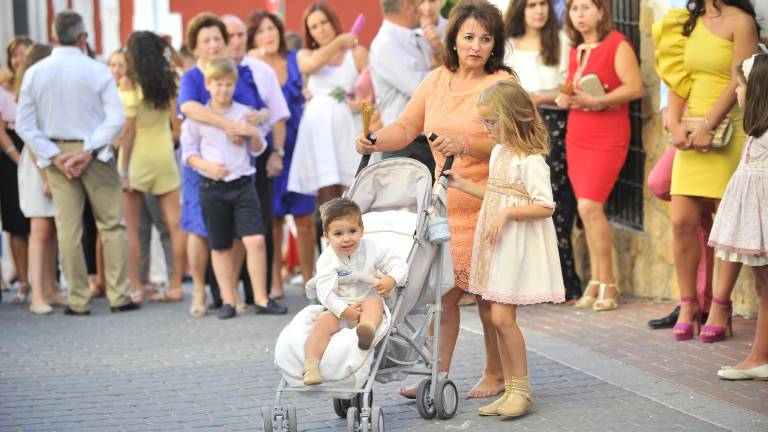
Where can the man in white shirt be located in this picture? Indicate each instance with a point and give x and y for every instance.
(69, 113)
(270, 163)
(400, 58)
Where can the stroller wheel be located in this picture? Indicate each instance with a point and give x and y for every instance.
(340, 407)
(266, 418)
(353, 420)
(446, 399)
(358, 400)
(293, 422)
(377, 419)
(424, 403)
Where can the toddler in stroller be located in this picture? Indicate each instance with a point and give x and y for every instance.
(348, 283)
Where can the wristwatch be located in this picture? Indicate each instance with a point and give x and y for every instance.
(280, 151)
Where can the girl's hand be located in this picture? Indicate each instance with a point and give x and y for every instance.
(679, 135)
(493, 231)
(364, 146)
(455, 180)
(701, 138)
(448, 145)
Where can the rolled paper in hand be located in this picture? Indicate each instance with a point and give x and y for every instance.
(358, 25)
(367, 111)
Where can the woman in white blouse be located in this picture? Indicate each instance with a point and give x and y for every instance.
(537, 50)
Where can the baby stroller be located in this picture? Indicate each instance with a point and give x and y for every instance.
(403, 346)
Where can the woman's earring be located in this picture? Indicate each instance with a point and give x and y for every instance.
(492, 53)
(454, 48)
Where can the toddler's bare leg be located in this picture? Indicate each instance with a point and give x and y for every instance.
(373, 313)
(325, 326)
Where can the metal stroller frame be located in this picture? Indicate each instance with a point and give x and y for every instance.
(439, 400)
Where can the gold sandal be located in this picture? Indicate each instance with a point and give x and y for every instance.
(606, 304)
(198, 309)
(587, 301)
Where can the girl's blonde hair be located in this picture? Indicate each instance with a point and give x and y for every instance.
(520, 125)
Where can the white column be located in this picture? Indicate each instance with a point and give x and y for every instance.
(37, 20)
(110, 26)
(85, 9)
(6, 29)
(156, 16)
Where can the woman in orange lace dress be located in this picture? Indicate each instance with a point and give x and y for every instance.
(444, 104)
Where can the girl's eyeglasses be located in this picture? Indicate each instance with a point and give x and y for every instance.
(489, 124)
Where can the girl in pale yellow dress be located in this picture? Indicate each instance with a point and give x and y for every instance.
(697, 53)
(147, 160)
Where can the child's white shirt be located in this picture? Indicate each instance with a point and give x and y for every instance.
(369, 258)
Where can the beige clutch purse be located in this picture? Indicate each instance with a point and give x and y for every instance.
(721, 135)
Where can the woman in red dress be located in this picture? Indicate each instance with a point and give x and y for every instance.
(597, 139)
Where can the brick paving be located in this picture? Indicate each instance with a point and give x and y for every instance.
(159, 369)
(623, 335)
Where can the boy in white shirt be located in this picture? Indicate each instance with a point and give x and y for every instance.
(339, 270)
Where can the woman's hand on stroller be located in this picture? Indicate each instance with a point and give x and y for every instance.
(364, 146)
(353, 312)
(385, 285)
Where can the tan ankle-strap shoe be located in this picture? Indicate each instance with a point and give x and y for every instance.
(492, 408)
(520, 399)
(312, 372)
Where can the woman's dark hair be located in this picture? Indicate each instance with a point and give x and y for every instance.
(309, 41)
(201, 21)
(255, 20)
(489, 16)
(147, 59)
(34, 54)
(604, 27)
(697, 9)
(514, 26)
(756, 103)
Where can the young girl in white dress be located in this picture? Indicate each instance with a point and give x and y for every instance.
(515, 259)
(740, 231)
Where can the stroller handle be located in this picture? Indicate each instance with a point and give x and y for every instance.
(448, 161)
(366, 158)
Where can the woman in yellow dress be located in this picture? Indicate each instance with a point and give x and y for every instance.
(697, 53)
(147, 160)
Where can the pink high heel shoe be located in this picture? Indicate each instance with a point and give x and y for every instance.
(685, 331)
(718, 333)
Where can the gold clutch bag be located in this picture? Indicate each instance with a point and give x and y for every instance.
(721, 135)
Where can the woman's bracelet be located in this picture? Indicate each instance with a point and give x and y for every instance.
(10, 150)
(465, 150)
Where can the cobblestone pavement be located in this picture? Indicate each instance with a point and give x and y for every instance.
(159, 369)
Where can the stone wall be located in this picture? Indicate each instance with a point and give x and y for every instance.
(643, 261)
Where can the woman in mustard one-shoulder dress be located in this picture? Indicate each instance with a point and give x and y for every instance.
(697, 52)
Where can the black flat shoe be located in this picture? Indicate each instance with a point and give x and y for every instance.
(70, 311)
(126, 307)
(272, 308)
(227, 311)
(667, 321)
